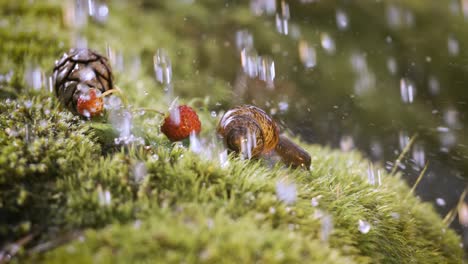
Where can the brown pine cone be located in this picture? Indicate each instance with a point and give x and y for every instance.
(76, 72)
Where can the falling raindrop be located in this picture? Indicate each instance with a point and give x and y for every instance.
(260, 7)
(286, 191)
(266, 70)
(162, 67)
(327, 42)
(326, 228)
(307, 54)
(419, 155)
(363, 226)
(341, 20)
(100, 12)
(315, 200)
(451, 118)
(346, 143)
(392, 65)
(283, 106)
(282, 19)
(195, 144)
(434, 85)
(223, 158)
(244, 40)
(371, 174)
(403, 139)
(407, 90)
(463, 214)
(139, 172)
(394, 17)
(440, 202)
(104, 196)
(453, 46)
(34, 77)
(249, 60)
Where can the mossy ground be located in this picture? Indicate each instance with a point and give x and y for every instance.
(55, 168)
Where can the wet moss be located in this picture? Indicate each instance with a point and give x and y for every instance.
(62, 175)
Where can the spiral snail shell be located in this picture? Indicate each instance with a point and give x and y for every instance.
(249, 129)
(78, 71)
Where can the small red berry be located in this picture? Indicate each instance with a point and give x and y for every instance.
(90, 104)
(178, 126)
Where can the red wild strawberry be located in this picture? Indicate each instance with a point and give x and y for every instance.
(91, 104)
(179, 124)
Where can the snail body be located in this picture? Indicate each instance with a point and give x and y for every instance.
(248, 123)
(245, 124)
(78, 72)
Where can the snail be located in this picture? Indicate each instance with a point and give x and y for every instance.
(251, 131)
(81, 76)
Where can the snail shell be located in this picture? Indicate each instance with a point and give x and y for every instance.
(77, 71)
(244, 123)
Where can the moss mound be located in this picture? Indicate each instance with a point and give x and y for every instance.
(64, 183)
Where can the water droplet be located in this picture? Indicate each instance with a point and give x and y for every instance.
(363, 226)
(213, 114)
(286, 191)
(307, 54)
(407, 90)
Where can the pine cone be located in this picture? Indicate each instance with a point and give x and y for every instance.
(76, 72)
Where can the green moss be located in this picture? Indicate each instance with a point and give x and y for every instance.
(61, 175)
